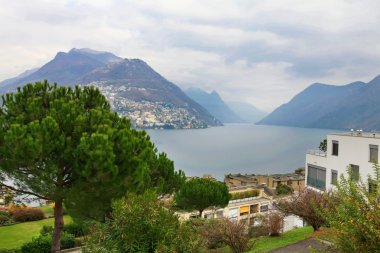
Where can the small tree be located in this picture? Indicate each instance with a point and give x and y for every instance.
(64, 144)
(355, 214)
(323, 145)
(201, 193)
(283, 189)
(304, 205)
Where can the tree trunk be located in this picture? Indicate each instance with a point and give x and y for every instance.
(58, 226)
(200, 213)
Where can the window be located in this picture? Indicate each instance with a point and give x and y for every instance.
(316, 177)
(373, 153)
(233, 213)
(355, 172)
(219, 214)
(254, 208)
(372, 186)
(334, 177)
(335, 148)
(264, 208)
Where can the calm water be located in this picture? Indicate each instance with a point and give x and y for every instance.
(238, 148)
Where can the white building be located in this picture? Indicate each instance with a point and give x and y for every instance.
(356, 149)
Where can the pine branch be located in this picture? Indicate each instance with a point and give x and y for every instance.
(23, 191)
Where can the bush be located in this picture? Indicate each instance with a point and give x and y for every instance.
(28, 214)
(245, 194)
(5, 213)
(284, 189)
(257, 231)
(273, 223)
(46, 230)
(76, 229)
(141, 224)
(232, 233)
(42, 244)
(5, 220)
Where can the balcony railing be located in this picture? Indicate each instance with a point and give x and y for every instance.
(316, 152)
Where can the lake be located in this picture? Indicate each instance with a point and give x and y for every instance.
(238, 148)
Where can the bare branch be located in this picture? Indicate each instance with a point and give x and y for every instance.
(23, 191)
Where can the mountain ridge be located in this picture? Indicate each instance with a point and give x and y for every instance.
(351, 106)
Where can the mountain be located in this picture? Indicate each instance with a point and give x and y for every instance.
(352, 106)
(132, 87)
(214, 104)
(247, 112)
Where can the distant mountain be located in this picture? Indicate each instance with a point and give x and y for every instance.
(125, 81)
(214, 104)
(247, 112)
(352, 106)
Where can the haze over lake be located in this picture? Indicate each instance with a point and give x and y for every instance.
(238, 148)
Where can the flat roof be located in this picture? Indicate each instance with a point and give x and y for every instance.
(359, 134)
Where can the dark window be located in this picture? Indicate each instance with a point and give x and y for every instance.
(335, 148)
(316, 177)
(264, 208)
(334, 177)
(372, 186)
(355, 172)
(373, 153)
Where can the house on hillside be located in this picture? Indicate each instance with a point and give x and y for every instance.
(357, 149)
(294, 180)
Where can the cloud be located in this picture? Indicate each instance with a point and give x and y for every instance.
(262, 52)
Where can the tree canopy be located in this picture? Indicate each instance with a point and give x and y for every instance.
(201, 193)
(64, 144)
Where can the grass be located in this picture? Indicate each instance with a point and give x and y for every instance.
(48, 210)
(267, 243)
(14, 236)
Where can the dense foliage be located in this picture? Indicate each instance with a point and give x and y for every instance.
(245, 194)
(356, 215)
(140, 223)
(272, 223)
(28, 214)
(219, 232)
(64, 144)
(283, 189)
(201, 193)
(304, 205)
(323, 145)
(42, 244)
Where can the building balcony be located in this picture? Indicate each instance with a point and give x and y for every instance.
(316, 152)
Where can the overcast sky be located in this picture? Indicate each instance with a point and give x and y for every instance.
(261, 52)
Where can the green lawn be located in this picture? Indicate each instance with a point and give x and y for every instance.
(267, 243)
(48, 210)
(14, 236)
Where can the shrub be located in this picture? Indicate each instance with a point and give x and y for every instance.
(28, 214)
(5, 219)
(45, 230)
(232, 233)
(257, 231)
(245, 194)
(42, 244)
(140, 223)
(273, 223)
(283, 189)
(5, 213)
(76, 229)
(355, 214)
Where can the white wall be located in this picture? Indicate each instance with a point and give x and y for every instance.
(353, 149)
